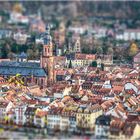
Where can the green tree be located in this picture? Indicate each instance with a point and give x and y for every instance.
(99, 50)
(5, 50)
(11, 55)
(70, 64)
(110, 50)
(30, 54)
(102, 66)
(15, 48)
(94, 64)
(86, 50)
(69, 22)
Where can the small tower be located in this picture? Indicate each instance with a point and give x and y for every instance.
(77, 46)
(47, 59)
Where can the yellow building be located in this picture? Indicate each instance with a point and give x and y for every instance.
(136, 132)
(86, 116)
(80, 59)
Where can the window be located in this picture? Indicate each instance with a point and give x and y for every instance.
(41, 81)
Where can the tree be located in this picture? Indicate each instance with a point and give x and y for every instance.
(5, 50)
(56, 23)
(17, 8)
(16, 80)
(97, 71)
(11, 55)
(99, 50)
(102, 66)
(36, 53)
(70, 64)
(30, 54)
(133, 49)
(69, 22)
(110, 50)
(86, 50)
(94, 64)
(15, 48)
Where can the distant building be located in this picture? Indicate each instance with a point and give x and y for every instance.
(18, 18)
(40, 119)
(102, 126)
(128, 34)
(74, 44)
(22, 57)
(79, 30)
(99, 32)
(53, 119)
(5, 33)
(79, 59)
(20, 38)
(86, 116)
(20, 118)
(106, 60)
(3, 106)
(29, 114)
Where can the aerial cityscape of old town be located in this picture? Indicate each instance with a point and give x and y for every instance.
(69, 70)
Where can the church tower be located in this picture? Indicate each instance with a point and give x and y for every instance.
(47, 59)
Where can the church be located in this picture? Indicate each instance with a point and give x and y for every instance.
(33, 72)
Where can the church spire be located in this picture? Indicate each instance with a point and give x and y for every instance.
(47, 37)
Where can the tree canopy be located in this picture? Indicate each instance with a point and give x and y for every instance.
(94, 64)
(133, 49)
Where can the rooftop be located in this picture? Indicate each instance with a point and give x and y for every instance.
(23, 68)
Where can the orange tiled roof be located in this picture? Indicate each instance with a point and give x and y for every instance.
(118, 88)
(85, 56)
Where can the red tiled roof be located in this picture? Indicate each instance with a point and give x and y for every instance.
(85, 56)
(117, 89)
(60, 58)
